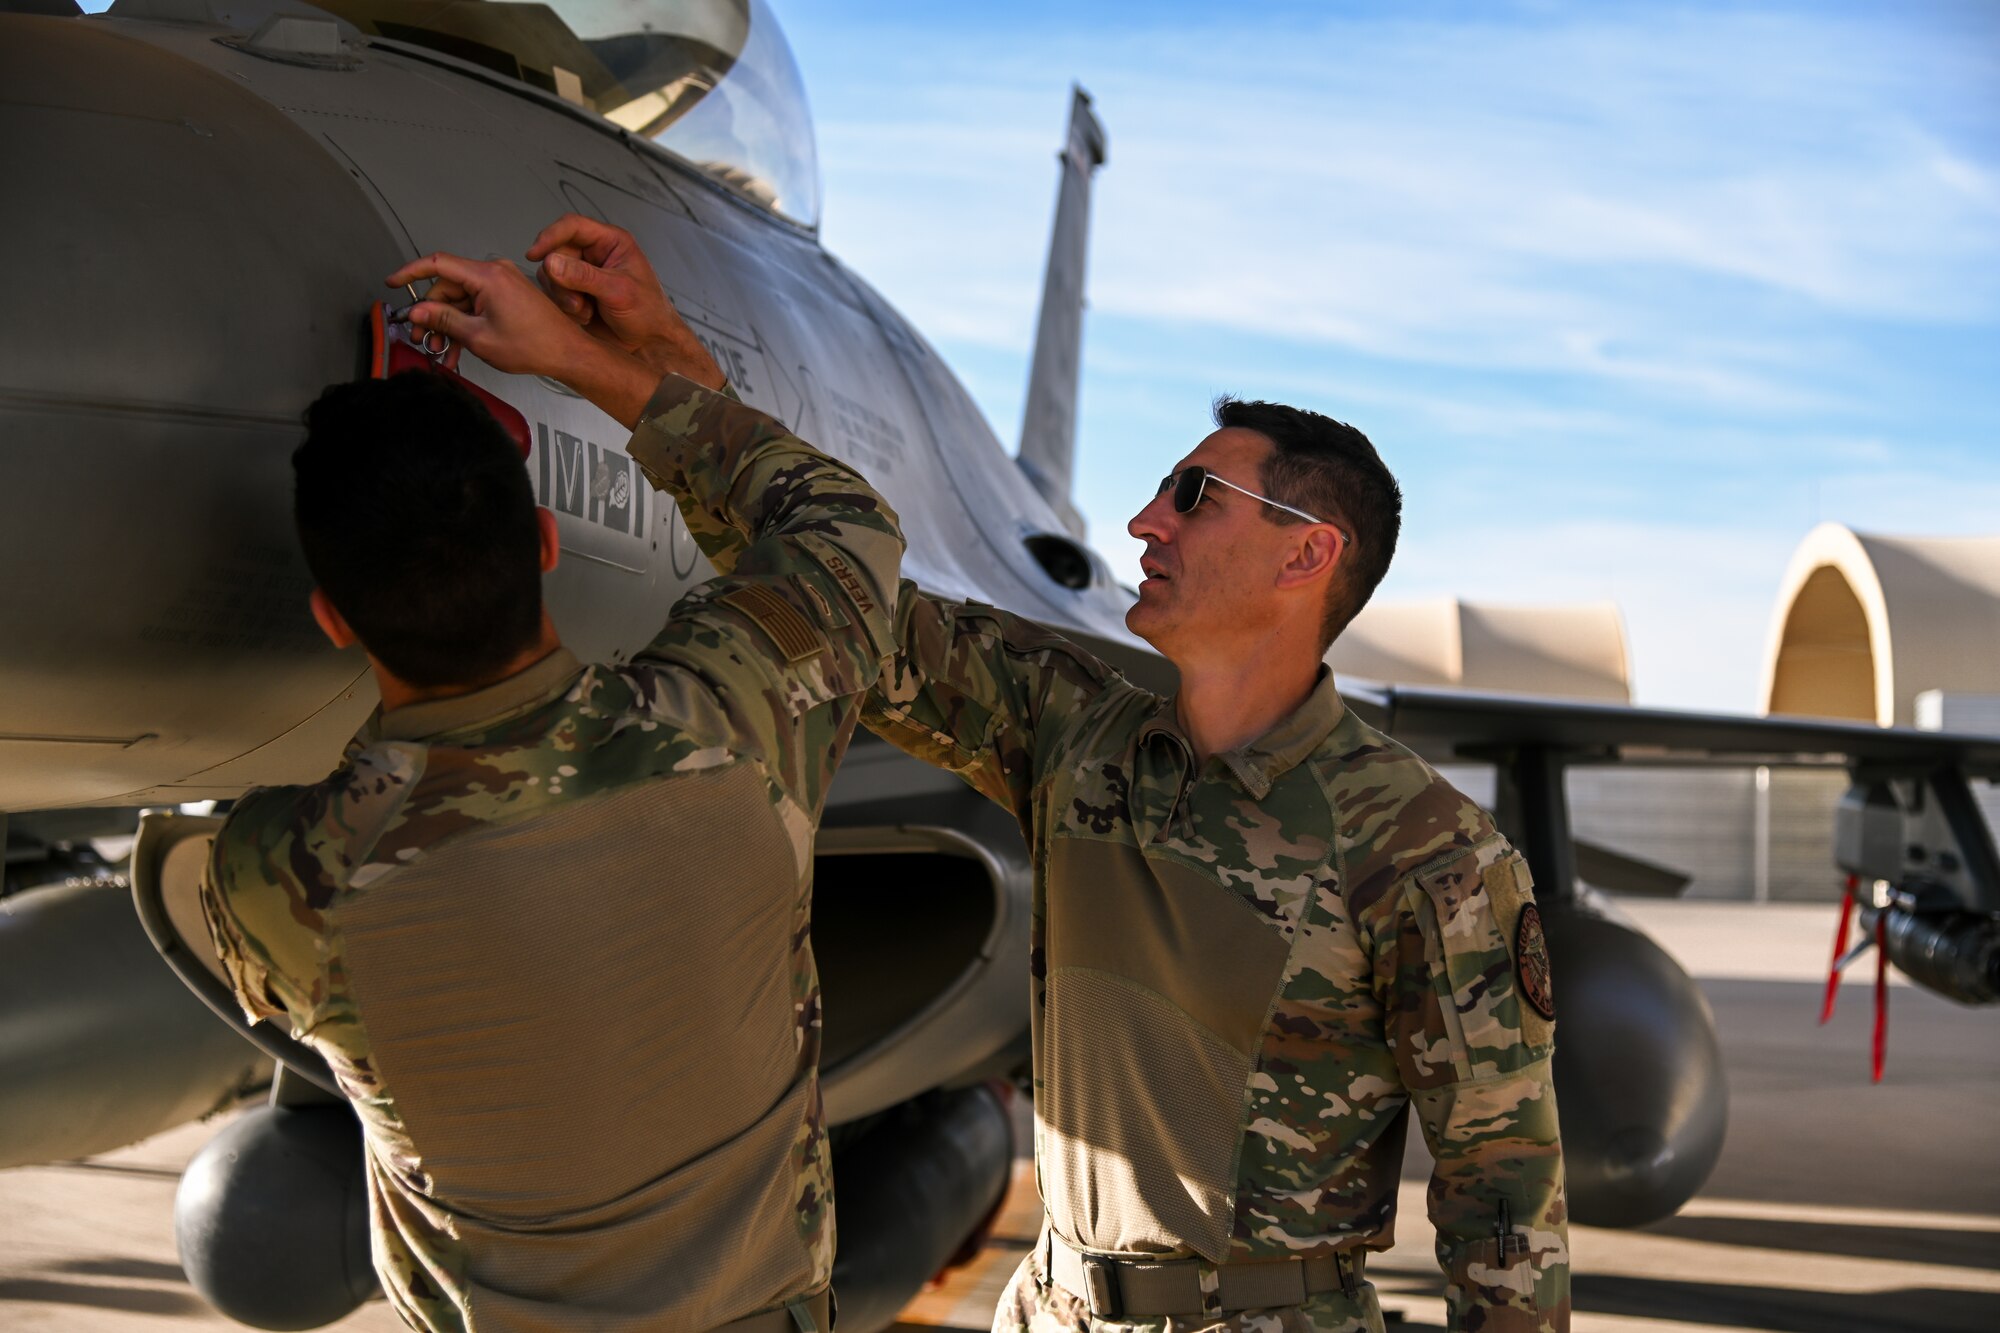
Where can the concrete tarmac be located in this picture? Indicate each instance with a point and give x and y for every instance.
(1838, 1206)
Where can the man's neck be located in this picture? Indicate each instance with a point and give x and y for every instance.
(399, 693)
(1227, 703)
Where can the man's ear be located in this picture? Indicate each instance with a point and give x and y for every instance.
(1314, 558)
(331, 623)
(545, 520)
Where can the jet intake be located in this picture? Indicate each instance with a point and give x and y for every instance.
(921, 937)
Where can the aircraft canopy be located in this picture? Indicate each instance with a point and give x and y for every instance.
(712, 80)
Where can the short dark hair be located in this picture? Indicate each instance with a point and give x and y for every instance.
(418, 523)
(1329, 469)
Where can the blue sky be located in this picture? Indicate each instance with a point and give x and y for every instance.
(1629, 296)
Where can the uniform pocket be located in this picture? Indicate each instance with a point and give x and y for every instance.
(1464, 1015)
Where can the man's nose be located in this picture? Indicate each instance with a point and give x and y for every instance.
(1155, 522)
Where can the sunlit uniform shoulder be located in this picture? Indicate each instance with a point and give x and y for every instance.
(507, 917)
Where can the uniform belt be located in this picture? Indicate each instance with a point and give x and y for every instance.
(818, 1308)
(1124, 1288)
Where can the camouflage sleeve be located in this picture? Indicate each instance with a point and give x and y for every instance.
(982, 693)
(267, 934)
(742, 479)
(1462, 973)
(809, 555)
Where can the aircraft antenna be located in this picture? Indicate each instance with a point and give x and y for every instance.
(1048, 425)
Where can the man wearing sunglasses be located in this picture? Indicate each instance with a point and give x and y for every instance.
(1264, 933)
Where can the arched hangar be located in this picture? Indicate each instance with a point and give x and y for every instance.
(1865, 623)
(1574, 652)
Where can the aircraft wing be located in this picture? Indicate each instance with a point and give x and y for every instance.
(1445, 724)
(1919, 853)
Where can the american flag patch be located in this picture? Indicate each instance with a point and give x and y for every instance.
(781, 622)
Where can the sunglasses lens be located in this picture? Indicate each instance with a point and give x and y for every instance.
(1187, 489)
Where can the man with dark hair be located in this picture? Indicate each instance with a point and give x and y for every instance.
(548, 922)
(1264, 934)
(1326, 467)
(420, 528)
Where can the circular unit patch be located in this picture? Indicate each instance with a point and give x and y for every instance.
(1531, 963)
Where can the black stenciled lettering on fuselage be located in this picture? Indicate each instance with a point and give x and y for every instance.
(617, 500)
(560, 471)
(729, 359)
(866, 435)
(585, 480)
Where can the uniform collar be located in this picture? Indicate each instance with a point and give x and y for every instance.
(1263, 761)
(464, 712)
(1166, 721)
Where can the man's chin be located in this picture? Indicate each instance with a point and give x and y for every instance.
(1147, 622)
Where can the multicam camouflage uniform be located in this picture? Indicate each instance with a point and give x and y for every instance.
(552, 936)
(1246, 970)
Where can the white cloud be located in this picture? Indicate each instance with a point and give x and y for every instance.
(1633, 199)
(1635, 295)
(1903, 501)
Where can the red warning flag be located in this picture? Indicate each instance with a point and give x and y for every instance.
(1881, 992)
(389, 355)
(1839, 950)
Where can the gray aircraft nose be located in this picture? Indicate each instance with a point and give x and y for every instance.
(186, 268)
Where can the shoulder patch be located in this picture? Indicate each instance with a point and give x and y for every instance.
(781, 622)
(1531, 963)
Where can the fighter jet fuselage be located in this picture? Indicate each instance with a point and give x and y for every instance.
(201, 223)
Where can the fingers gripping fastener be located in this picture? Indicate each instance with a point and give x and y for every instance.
(423, 341)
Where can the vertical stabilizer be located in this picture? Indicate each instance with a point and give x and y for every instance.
(1048, 426)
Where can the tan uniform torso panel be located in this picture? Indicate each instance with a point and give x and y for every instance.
(1159, 984)
(540, 1003)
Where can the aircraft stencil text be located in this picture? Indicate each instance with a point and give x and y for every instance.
(589, 481)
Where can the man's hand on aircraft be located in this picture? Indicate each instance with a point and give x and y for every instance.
(490, 308)
(601, 279)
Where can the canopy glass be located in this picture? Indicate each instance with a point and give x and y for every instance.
(712, 80)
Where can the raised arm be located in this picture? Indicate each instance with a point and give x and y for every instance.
(808, 551)
(809, 555)
(983, 693)
(966, 687)
(969, 688)
(740, 478)
(1461, 973)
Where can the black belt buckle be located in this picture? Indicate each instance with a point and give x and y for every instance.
(1350, 1280)
(1100, 1278)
